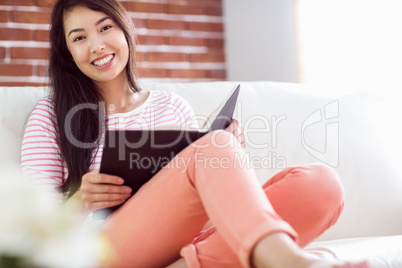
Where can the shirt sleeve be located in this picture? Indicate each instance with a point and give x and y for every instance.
(40, 154)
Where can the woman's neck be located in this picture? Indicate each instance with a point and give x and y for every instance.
(119, 97)
(117, 94)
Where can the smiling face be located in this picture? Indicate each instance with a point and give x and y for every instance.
(97, 44)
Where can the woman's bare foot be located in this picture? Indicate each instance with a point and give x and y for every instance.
(278, 250)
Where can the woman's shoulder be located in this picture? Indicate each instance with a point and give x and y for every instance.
(45, 103)
(44, 110)
(165, 97)
(161, 93)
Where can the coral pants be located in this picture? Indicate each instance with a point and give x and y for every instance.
(167, 216)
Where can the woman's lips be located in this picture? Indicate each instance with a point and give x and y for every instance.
(103, 61)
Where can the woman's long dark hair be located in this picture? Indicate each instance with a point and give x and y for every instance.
(71, 88)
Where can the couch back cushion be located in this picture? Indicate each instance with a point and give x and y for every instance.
(16, 103)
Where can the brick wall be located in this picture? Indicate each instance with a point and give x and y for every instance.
(179, 40)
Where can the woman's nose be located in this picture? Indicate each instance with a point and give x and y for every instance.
(97, 44)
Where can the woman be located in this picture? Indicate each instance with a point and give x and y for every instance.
(202, 217)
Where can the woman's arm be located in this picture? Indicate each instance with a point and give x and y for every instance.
(41, 160)
(43, 166)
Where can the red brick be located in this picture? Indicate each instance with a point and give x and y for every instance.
(211, 2)
(42, 35)
(151, 40)
(146, 7)
(16, 70)
(166, 24)
(17, 2)
(31, 16)
(214, 11)
(152, 72)
(186, 9)
(205, 2)
(15, 34)
(22, 84)
(45, 3)
(124, 4)
(42, 70)
(216, 43)
(205, 26)
(166, 57)
(188, 73)
(29, 53)
(184, 41)
(208, 57)
(141, 56)
(140, 23)
(3, 15)
(2, 52)
(220, 74)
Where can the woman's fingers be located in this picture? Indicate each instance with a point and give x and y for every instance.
(94, 177)
(96, 197)
(242, 137)
(104, 204)
(238, 131)
(233, 125)
(103, 190)
(103, 200)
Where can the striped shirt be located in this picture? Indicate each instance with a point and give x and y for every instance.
(41, 157)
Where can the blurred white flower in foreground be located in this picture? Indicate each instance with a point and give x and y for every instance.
(37, 233)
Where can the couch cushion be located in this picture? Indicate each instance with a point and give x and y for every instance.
(379, 252)
(15, 105)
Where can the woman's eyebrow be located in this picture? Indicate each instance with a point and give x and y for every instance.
(102, 20)
(96, 24)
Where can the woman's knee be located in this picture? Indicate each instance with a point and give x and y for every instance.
(316, 195)
(330, 186)
(327, 194)
(217, 141)
(220, 139)
(316, 181)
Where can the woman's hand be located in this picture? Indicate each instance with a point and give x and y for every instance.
(238, 131)
(102, 190)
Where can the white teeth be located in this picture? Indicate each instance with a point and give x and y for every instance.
(103, 61)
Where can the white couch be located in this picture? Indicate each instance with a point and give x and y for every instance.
(288, 124)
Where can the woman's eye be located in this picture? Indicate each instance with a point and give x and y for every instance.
(78, 38)
(106, 28)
